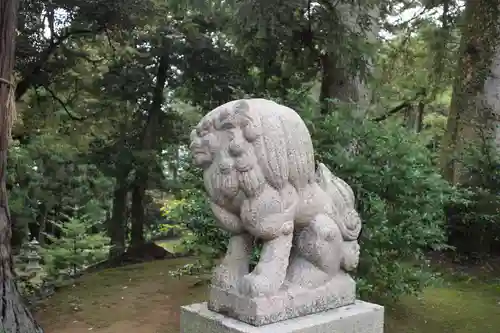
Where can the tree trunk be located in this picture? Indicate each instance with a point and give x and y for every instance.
(175, 171)
(148, 145)
(414, 117)
(336, 83)
(475, 107)
(42, 224)
(420, 117)
(137, 213)
(116, 227)
(339, 79)
(15, 316)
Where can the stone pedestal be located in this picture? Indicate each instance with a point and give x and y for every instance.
(287, 304)
(360, 317)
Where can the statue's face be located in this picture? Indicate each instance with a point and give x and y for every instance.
(203, 144)
(217, 138)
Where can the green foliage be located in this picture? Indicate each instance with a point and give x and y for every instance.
(401, 198)
(475, 226)
(433, 131)
(203, 237)
(75, 249)
(50, 178)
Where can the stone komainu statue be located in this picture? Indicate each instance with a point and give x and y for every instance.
(259, 172)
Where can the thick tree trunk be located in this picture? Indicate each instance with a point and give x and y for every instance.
(336, 83)
(148, 145)
(117, 222)
(137, 212)
(15, 316)
(339, 79)
(475, 108)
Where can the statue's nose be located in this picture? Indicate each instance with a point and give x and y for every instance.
(195, 144)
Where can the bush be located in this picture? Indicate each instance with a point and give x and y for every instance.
(400, 194)
(474, 228)
(401, 198)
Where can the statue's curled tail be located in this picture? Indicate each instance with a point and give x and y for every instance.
(343, 200)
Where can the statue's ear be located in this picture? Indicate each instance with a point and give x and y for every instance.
(251, 131)
(241, 107)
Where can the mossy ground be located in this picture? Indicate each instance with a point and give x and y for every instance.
(454, 307)
(144, 298)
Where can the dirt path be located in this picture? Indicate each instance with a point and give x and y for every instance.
(140, 299)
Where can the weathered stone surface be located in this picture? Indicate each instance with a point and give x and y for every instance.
(361, 317)
(259, 172)
(286, 304)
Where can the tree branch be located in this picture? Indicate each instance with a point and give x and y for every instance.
(37, 67)
(402, 106)
(63, 104)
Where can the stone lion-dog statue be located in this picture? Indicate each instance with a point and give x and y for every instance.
(260, 176)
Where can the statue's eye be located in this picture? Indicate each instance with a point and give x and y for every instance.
(201, 131)
(227, 126)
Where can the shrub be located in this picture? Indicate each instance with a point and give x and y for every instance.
(202, 237)
(400, 195)
(474, 227)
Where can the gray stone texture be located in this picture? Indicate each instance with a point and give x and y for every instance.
(360, 317)
(259, 172)
(286, 304)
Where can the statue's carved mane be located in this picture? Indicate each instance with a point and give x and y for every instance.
(283, 157)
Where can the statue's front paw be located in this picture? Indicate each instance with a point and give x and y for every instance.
(255, 285)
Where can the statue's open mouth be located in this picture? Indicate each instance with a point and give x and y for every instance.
(198, 150)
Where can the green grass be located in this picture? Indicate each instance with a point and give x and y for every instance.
(456, 306)
(144, 298)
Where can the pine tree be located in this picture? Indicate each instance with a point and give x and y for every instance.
(75, 249)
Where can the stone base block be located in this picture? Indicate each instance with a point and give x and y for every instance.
(289, 303)
(360, 317)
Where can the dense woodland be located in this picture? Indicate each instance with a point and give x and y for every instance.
(98, 97)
